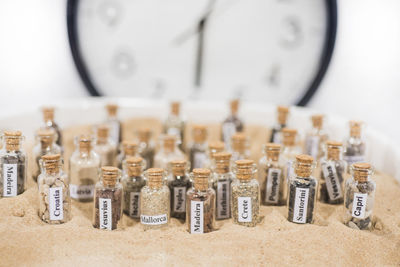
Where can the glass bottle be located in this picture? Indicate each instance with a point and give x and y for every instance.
(200, 203)
(359, 197)
(213, 148)
(84, 166)
(168, 152)
(290, 150)
(146, 146)
(178, 185)
(129, 149)
(333, 169)
(240, 147)
(271, 176)
(355, 147)
(316, 138)
(48, 117)
(108, 196)
(245, 194)
(154, 201)
(46, 144)
(175, 125)
(198, 149)
(133, 181)
(113, 123)
(221, 181)
(13, 164)
(232, 124)
(105, 147)
(302, 191)
(54, 200)
(282, 115)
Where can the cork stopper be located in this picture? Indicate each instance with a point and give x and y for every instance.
(175, 108)
(169, 142)
(355, 128)
(48, 113)
(333, 150)
(110, 175)
(239, 142)
(272, 151)
(201, 178)
(244, 169)
(144, 134)
(361, 171)
(51, 163)
(130, 148)
(178, 167)
(12, 140)
(112, 109)
(155, 177)
(289, 136)
(222, 162)
(199, 133)
(102, 133)
(317, 121)
(304, 165)
(134, 166)
(282, 112)
(85, 143)
(234, 105)
(46, 137)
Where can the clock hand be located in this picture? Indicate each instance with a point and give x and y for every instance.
(199, 54)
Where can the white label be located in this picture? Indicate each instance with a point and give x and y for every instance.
(359, 205)
(114, 131)
(277, 137)
(174, 131)
(105, 216)
(179, 199)
(273, 184)
(300, 205)
(56, 208)
(196, 217)
(199, 159)
(354, 159)
(223, 198)
(244, 209)
(228, 129)
(312, 146)
(10, 180)
(332, 181)
(81, 191)
(154, 220)
(289, 169)
(134, 204)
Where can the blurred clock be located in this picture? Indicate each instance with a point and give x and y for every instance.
(259, 50)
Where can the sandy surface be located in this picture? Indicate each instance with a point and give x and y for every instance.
(27, 241)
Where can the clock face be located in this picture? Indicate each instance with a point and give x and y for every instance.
(275, 51)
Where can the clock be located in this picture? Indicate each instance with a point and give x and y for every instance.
(259, 50)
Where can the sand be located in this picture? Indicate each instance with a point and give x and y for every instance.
(27, 241)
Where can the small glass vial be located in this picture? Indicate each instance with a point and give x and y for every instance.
(290, 150)
(154, 201)
(84, 167)
(178, 185)
(355, 147)
(200, 203)
(114, 124)
(13, 164)
(146, 146)
(105, 147)
(46, 145)
(333, 169)
(302, 191)
(282, 116)
(271, 176)
(54, 200)
(175, 125)
(245, 194)
(48, 118)
(232, 124)
(213, 148)
(108, 199)
(359, 197)
(316, 138)
(168, 152)
(133, 181)
(198, 149)
(240, 147)
(129, 149)
(221, 181)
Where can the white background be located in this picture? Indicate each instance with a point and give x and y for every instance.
(362, 81)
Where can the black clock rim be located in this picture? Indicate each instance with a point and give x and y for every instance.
(326, 56)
